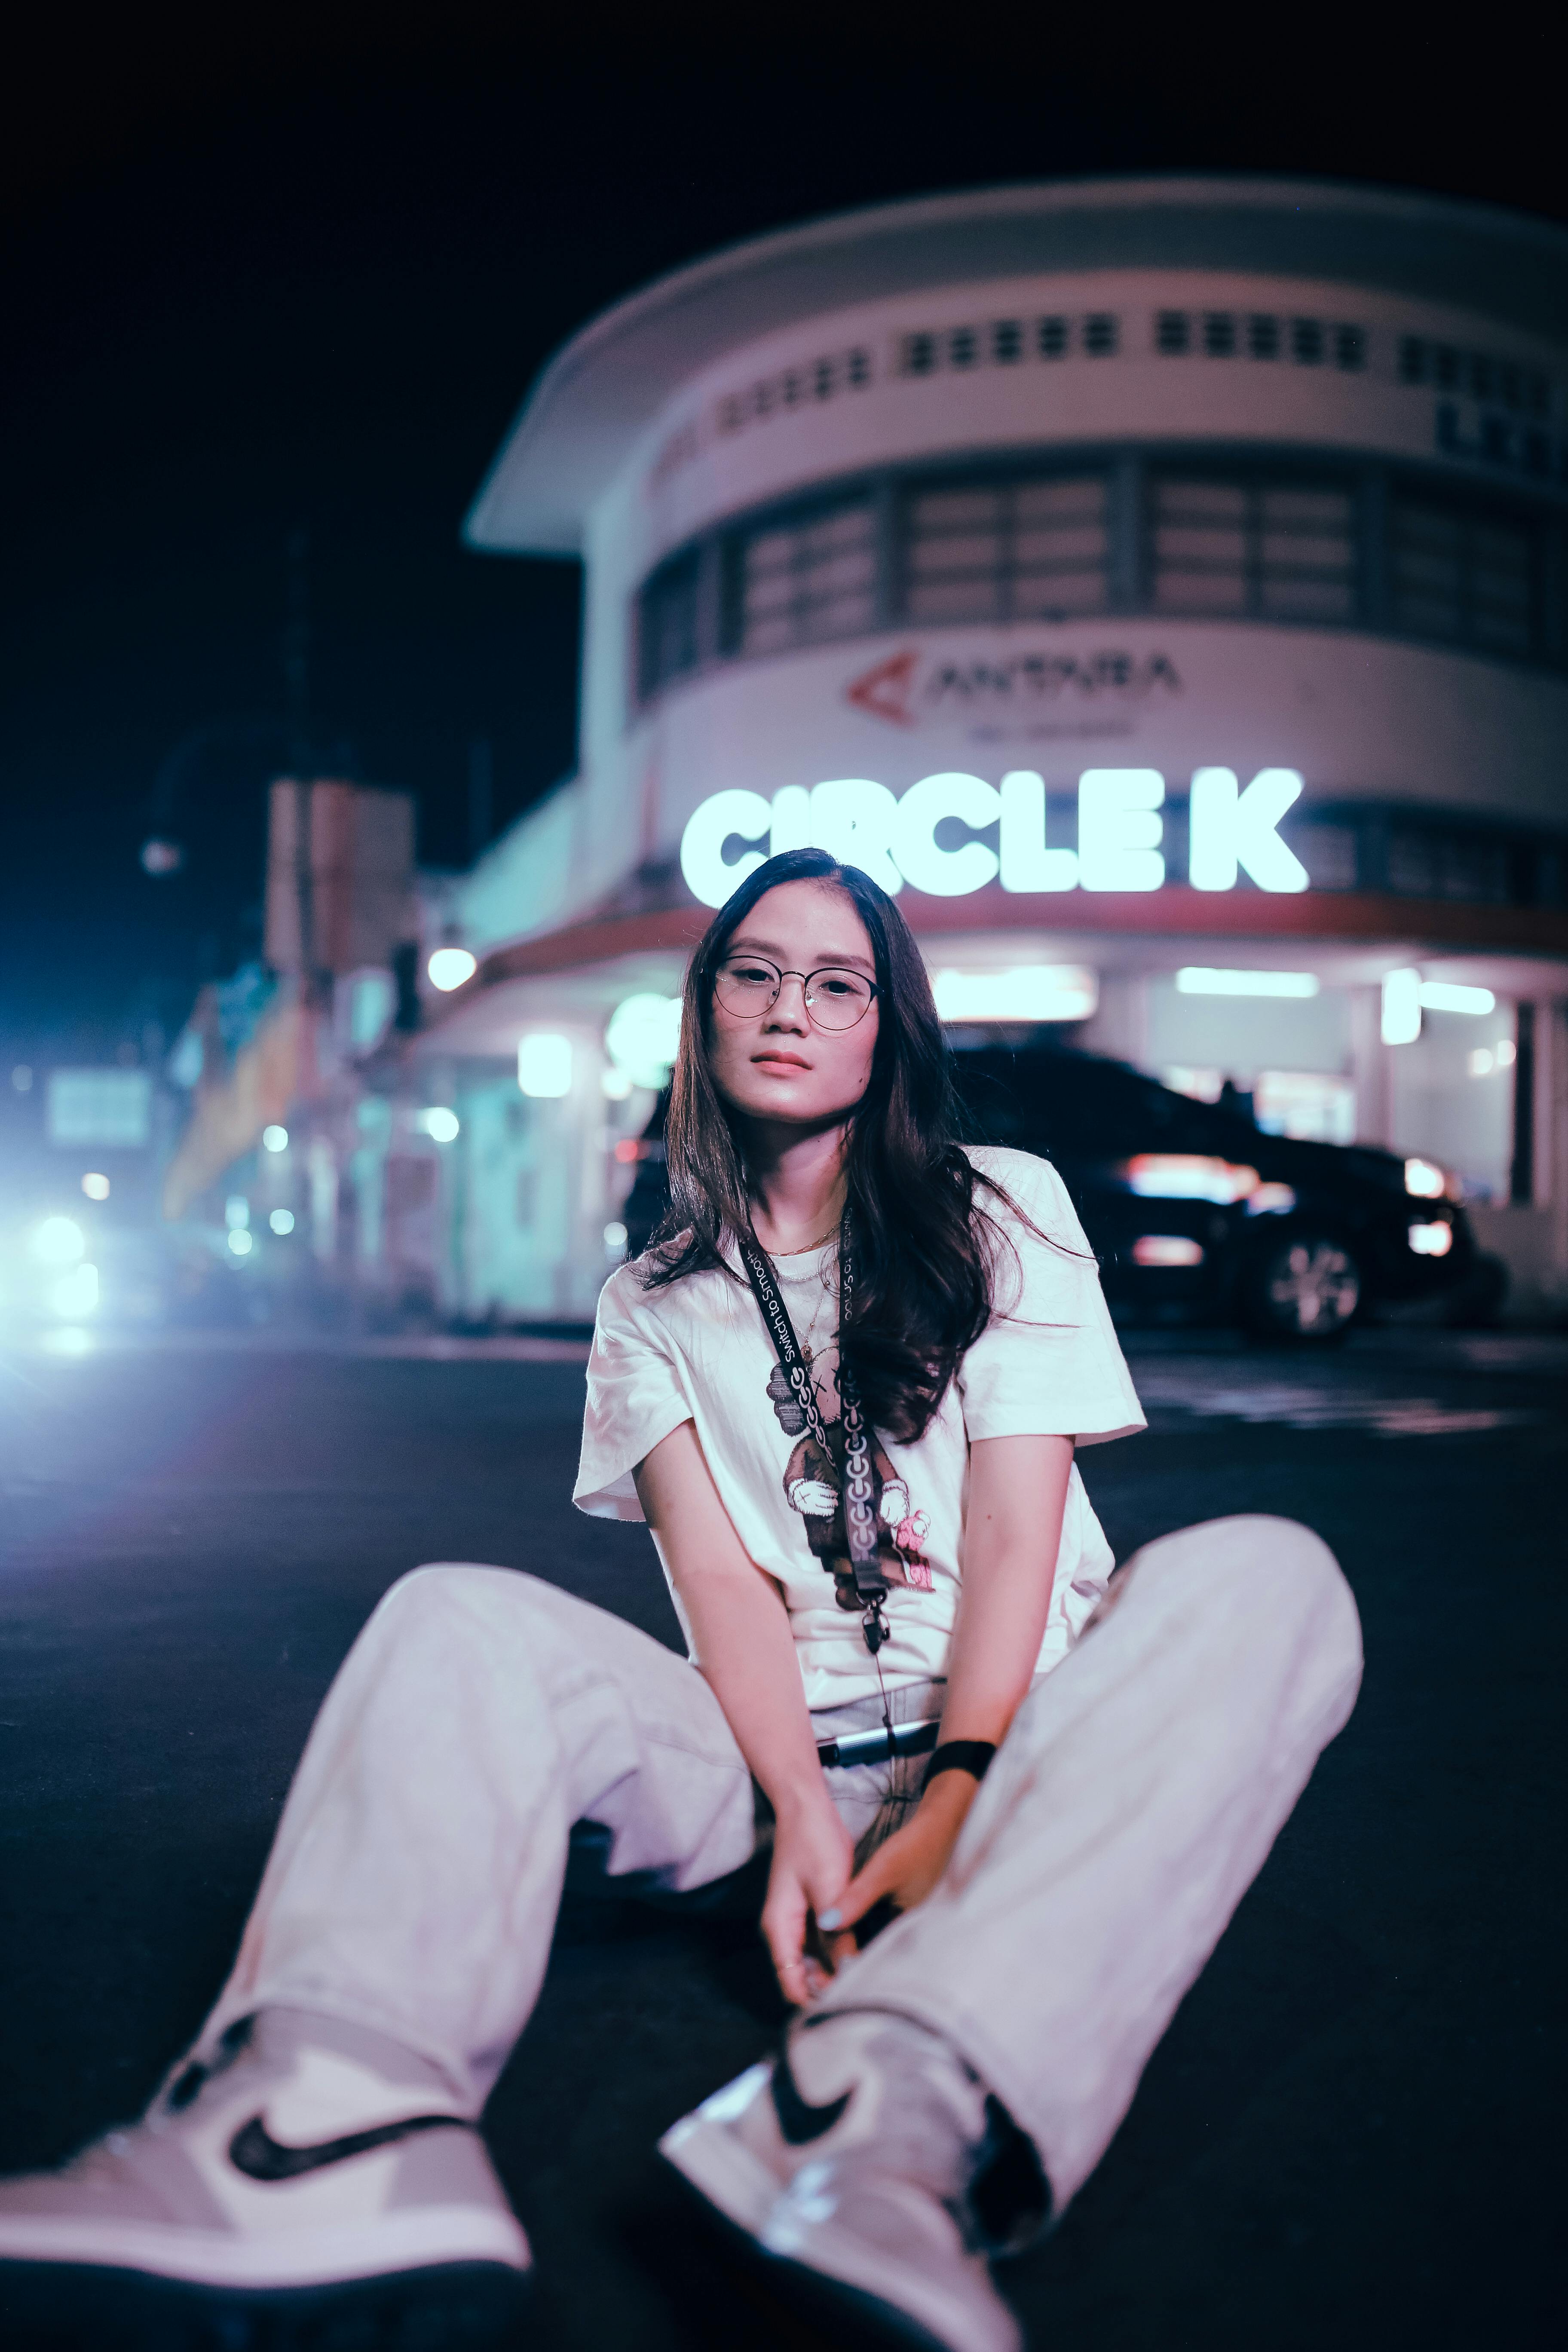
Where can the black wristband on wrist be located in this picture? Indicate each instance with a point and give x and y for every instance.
(960, 1756)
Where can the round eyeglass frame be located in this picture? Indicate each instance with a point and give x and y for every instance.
(806, 979)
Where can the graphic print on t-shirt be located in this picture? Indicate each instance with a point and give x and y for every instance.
(814, 1485)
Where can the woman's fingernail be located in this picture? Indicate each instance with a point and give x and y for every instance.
(830, 1919)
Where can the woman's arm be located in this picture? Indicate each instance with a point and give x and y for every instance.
(741, 1640)
(1018, 1495)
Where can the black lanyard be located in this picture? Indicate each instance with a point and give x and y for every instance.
(859, 1510)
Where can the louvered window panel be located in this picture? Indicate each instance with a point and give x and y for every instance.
(667, 636)
(1277, 550)
(1033, 550)
(803, 582)
(1459, 577)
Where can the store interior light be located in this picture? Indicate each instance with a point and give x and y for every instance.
(1451, 996)
(95, 1186)
(1197, 1080)
(1401, 1008)
(1030, 991)
(642, 1038)
(1208, 980)
(544, 1064)
(442, 1126)
(448, 968)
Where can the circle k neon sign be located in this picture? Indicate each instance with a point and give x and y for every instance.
(1120, 832)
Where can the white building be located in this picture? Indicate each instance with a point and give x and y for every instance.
(1131, 481)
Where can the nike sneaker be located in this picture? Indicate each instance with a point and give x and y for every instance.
(867, 2172)
(303, 2183)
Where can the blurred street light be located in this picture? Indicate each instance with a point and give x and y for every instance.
(75, 1293)
(448, 968)
(58, 1241)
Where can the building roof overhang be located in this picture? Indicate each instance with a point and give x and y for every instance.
(604, 388)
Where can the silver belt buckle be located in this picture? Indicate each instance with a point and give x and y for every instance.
(873, 1746)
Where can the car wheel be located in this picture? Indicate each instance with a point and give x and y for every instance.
(1306, 1286)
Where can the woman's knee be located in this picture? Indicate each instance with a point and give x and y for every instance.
(1274, 1569)
(445, 1591)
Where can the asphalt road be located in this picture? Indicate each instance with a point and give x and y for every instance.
(1351, 2135)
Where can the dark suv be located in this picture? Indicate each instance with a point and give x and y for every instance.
(1195, 1213)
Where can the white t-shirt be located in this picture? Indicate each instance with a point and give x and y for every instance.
(1046, 1364)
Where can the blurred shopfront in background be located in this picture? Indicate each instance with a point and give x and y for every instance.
(1163, 584)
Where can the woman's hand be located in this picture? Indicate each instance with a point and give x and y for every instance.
(906, 1866)
(738, 1633)
(813, 1857)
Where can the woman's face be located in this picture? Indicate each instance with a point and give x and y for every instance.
(777, 1063)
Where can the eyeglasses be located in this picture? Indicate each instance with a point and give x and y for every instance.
(834, 997)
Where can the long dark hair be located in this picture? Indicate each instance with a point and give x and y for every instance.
(924, 1248)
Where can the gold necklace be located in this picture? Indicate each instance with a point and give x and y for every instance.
(821, 1243)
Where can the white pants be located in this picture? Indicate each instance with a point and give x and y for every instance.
(418, 1866)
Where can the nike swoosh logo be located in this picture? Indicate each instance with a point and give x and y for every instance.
(799, 2121)
(255, 2152)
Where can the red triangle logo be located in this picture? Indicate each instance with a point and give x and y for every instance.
(885, 691)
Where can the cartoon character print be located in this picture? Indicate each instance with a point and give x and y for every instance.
(814, 1484)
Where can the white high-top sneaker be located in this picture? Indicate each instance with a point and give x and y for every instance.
(304, 2182)
(870, 2171)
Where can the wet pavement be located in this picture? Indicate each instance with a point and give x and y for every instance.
(1351, 2135)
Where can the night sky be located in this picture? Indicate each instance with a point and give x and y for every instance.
(295, 274)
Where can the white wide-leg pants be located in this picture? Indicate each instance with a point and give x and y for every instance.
(418, 1866)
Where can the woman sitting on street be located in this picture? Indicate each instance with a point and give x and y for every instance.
(1009, 1812)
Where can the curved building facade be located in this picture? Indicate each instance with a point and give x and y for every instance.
(1163, 584)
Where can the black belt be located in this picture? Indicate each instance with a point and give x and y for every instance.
(880, 1746)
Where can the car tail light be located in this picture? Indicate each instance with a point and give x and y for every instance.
(1166, 1249)
(1188, 1176)
(1434, 1240)
(1271, 1201)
